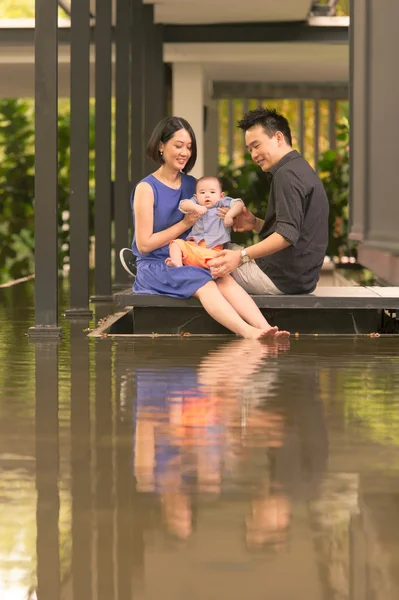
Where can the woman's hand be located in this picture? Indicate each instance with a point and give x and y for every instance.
(190, 219)
(200, 210)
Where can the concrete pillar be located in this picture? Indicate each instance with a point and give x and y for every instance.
(188, 102)
(374, 135)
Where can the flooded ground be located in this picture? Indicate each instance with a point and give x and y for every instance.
(202, 469)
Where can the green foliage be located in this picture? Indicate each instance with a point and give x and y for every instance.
(248, 182)
(16, 189)
(334, 172)
(22, 9)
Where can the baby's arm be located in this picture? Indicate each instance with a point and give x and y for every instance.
(235, 209)
(187, 206)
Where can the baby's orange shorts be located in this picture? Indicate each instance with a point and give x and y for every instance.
(196, 255)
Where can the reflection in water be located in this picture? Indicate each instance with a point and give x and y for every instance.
(47, 470)
(198, 469)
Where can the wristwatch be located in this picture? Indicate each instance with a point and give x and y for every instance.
(244, 257)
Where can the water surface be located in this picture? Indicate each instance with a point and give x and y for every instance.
(202, 469)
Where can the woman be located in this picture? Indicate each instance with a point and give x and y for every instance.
(158, 221)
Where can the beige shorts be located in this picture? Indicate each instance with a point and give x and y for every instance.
(252, 278)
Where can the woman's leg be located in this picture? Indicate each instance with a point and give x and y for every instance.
(244, 305)
(219, 308)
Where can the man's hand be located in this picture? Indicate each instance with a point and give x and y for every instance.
(224, 263)
(245, 221)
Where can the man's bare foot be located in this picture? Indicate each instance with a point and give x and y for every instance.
(172, 263)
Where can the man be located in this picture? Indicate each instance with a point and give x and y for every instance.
(294, 235)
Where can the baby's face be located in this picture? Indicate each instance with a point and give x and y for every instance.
(208, 192)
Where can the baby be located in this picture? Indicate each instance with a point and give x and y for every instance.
(210, 233)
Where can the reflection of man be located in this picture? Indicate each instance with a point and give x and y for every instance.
(294, 235)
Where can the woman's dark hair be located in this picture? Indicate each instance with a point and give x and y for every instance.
(163, 132)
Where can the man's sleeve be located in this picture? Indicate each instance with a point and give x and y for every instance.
(290, 201)
(229, 202)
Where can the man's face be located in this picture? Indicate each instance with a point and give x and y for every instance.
(265, 150)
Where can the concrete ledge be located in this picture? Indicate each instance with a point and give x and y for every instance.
(345, 297)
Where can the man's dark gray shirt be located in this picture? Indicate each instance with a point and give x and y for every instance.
(297, 210)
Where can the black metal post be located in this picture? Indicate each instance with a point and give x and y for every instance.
(316, 134)
(137, 94)
(332, 112)
(82, 529)
(121, 197)
(124, 475)
(357, 559)
(47, 466)
(154, 76)
(301, 127)
(102, 204)
(104, 473)
(230, 121)
(351, 111)
(79, 198)
(46, 171)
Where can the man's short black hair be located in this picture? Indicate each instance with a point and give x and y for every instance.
(163, 132)
(269, 119)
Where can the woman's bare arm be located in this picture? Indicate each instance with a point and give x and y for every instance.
(146, 239)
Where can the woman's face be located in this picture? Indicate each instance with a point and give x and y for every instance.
(177, 150)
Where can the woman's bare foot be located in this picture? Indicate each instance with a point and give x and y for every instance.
(172, 263)
(272, 332)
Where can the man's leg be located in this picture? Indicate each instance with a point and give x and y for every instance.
(252, 278)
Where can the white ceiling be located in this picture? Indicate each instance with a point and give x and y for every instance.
(229, 11)
(262, 62)
(222, 11)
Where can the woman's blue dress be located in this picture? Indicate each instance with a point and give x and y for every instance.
(153, 276)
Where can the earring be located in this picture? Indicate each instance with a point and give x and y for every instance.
(160, 153)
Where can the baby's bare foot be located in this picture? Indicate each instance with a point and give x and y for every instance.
(172, 263)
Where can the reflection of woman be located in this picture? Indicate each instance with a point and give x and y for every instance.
(158, 221)
(188, 428)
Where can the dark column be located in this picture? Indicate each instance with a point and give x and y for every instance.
(47, 465)
(46, 171)
(104, 473)
(332, 113)
(137, 94)
(357, 559)
(154, 76)
(124, 477)
(316, 133)
(102, 204)
(230, 125)
(121, 197)
(82, 531)
(131, 519)
(357, 118)
(301, 126)
(79, 198)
